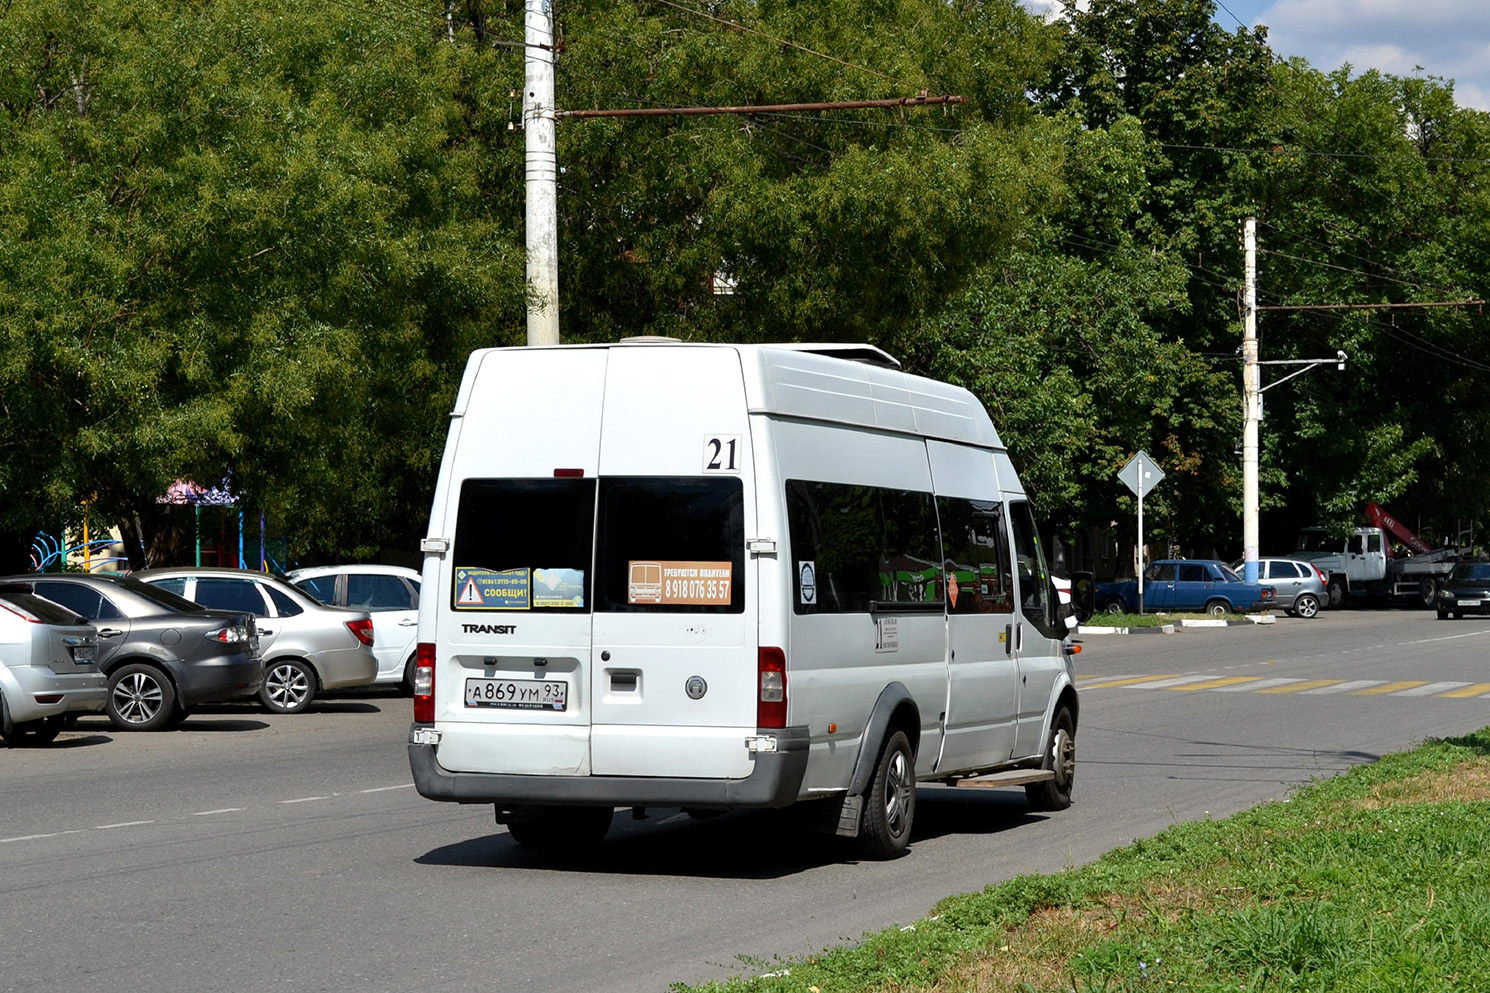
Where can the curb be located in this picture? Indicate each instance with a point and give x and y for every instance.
(1184, 625)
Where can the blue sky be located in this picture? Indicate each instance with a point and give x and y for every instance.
(1448, 38)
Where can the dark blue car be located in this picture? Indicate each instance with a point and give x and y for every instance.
(1186, 585)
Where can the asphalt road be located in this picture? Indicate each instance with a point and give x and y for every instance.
(248, 852)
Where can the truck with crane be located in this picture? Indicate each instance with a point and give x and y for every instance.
(1364, 564)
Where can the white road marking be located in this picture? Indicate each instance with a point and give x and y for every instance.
(1430, 689)
(1346, 687)
(385, 789)
(224, 810)
(306, 799)
(1172, 681)
(1265, 684)
(108, 827)
(33, 837)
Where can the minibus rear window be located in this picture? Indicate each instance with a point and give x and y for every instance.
(671, 544)
(524, 544)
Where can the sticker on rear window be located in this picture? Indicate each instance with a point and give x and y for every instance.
(558, 588)
(680, 582)
(489, 589)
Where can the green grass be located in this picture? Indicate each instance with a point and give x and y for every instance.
(1376, 880)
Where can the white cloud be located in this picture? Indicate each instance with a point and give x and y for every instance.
(1447, 38)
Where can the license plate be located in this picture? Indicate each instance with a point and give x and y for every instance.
(84, 654)
(1469, 603)
(517, 694)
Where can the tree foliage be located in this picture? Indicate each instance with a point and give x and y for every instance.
(256, 242)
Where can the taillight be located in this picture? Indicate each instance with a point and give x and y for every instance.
(424, 683)
(230, 635)
(363, 630)
(1322, 577)
(770, 708)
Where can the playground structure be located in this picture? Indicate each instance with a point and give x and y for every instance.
(213, 537)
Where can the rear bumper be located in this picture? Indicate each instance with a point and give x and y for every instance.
(215, 680)
(81, 693)
(776, 782)
(339, 668)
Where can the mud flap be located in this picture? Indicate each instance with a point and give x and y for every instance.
(849, 816)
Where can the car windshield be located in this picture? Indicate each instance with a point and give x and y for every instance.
(165, 598)
(1471, 572)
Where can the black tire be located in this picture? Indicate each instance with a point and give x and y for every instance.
(1306, 605)
(289, 686)
(408, 681)
(561, 828)
(1114, 605)
(1427, 593)
(890, 801)
(1060, 758)
(1217, 608)
(141, 698)
(1338, 594)
(28, 733)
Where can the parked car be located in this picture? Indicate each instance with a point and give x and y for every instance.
(1466, 590)
(48, 671)
(389, 592)
(307, 646)
(1301, 588)
(163, 655)
(1175, 585)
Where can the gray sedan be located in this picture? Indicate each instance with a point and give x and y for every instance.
(307, 647)
(163, 655)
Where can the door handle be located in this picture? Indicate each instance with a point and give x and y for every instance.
(408, 624)
(264, 630)
(1008, 639)
(109, 632)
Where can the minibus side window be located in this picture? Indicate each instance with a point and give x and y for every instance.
(524, 544)
(977, 556)
(1036, 592)
(671, 544)
(854, 546)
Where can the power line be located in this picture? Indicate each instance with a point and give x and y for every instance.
(780, 41)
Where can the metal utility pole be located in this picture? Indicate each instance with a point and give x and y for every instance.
(1253, 388)
(542, 174)
(1251, 404)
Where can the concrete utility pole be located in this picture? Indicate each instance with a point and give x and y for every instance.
(542, 174)
(1251, 404)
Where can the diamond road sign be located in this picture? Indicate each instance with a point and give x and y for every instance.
(1141, 463)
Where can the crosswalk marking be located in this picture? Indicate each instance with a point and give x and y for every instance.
(1213, 684)
(1431, 689)
(1450, 689)
(1307, 684)
(1474, 689)
(1172, 682)
(1390, 687)
(1348, 686)
(1126, 681)
(1263, 685)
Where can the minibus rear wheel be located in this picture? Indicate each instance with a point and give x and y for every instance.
(890, 805)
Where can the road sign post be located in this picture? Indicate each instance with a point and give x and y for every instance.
(1138, 475)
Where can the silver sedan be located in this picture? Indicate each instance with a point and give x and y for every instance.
(307, 647)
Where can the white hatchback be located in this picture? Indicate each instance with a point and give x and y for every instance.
(389, 592)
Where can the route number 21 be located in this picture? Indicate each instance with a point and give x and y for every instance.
(722, 453)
